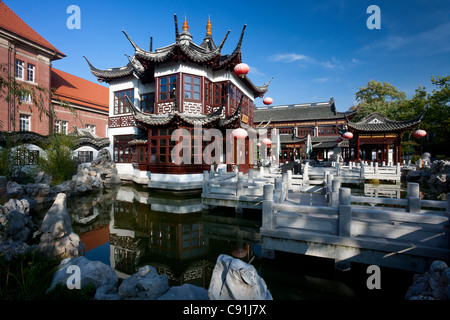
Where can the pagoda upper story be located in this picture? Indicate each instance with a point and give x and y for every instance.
(200, 76)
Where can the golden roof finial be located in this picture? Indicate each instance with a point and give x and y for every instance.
(185, 25)
(208, 27)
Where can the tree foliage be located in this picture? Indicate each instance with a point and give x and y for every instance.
(387, 100)
(12, 89)
(379, 97)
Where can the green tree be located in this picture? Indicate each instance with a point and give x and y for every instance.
(387, 100)
(11, 91)
(437, 117)
(379, 97)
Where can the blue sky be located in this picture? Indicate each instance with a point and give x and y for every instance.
(313, 49)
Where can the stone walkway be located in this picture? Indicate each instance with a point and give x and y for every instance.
(307, 199)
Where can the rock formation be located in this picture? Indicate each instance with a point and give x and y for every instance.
(234, 279)
(15, 227)
(104, 166)
(58, 238)
(432, 285)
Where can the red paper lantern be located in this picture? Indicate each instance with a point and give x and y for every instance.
(347, 135)
(241, 69)
(240, 133)
(267, 101)
(266, 141)
(339, 139)
(420, 133)
(235, 252)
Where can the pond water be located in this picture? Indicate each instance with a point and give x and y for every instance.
(130, 226)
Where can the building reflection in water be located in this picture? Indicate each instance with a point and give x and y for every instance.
(168, 232)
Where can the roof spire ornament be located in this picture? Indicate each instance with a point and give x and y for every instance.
(185, 25)
(208, 27)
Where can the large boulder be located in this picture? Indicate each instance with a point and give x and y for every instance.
(185, 292)
(104, 166)
(58, 238)
(15, 227)
(233, 279)
(432, 285)
(86, 179)
(44, 178)
(15, 222)
(146, 284)
(13, 190)
(95, 273)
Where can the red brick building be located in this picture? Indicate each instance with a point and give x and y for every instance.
(27, 57)
(89, 100)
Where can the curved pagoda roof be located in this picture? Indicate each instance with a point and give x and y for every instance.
(213, 119)
(184, 49)
(376, 122)
(301, 112)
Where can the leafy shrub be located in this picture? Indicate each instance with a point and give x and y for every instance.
(58, 160)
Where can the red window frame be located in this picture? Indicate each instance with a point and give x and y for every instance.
(166, 87)
(192, 87)
(122, 152)
(120, 101)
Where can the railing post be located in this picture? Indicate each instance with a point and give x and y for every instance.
(239, 193)
(279, 188)
(250, 175)
(345, 213)
(375, 170)
(306, 172)
(413, 197)
(211, 171)
(330, 178)
(236, 173)
(335, 186)
(363, 170)
(268, 219)
(205, 186)
(325, 177)
(289, 180)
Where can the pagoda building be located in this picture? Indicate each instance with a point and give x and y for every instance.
(377, 138)
(320, 120)
(180, 86)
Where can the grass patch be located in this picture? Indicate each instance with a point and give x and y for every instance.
(28, 276)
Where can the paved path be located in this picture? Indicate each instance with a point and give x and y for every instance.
(307, 199)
